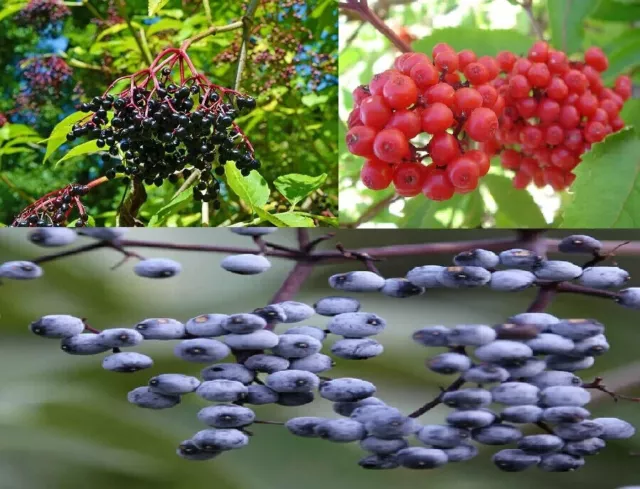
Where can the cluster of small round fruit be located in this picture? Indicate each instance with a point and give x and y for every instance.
(40, 14)
(164, 130)
(553, 109)
(530, 360)
(55, 209)
(45, 77)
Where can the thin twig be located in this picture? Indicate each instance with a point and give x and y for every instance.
(455, 385)
(373, 211)
(247, 21)
(597, 384)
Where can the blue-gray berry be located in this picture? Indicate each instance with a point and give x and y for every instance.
(519, 258)
(470, 398)
(497, 434)
(594, 346)
(579, 243)
(266, 363)
(273, 313)
(554, 377)
(449, 363)
(541, 320)
(461, 453)
(356, 324)
(157, 268)
(526, 413)
(464, 277)
(245, 264)
(629, 298)
(511, 280)
(347, 408)
(214, 440)
(579, 431)
(127, 362)
(258, 340)
(388, 424)
(57, 326)
(244, 323)
(421, 458)
(260, 394)
(477, 258)
(503, 350)
(120, 337)
(203, 350)
(569, 364)
(590, 446)
(425, 276)
(292, 381)
(550, 344)
(228, 371)
(564, 395)
(296, 312)
(341, 430)
(471, 418)
(578, 329)
(614, 429)
(541, 444)
(83, 344)
(316, 363)
(317, 333)
(189, 451)
(304, 426)
(380, 462)
(383, 446)
(521, 369)
(400, 288)
(207, 325)
(513, 460)
(346, 389)
(560, 462)
(226, 415)
(357, 281)
(296, 346)
(432, 336)
(515, 393)
(173, 384)
(565, 414)
(161, 329)
(293, 399)
(486, 374)
(20, 270)
(144, 397)
(222, 390)
(604, 277)
(334, 305)
(52, 237)
(357, 349)
(471, 335)
(557, 271)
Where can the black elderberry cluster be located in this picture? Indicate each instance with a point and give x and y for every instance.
(54, 209)
(168, 132)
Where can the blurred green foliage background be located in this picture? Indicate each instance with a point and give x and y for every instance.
(65, 423)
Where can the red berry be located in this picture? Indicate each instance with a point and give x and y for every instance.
(491, 65)
(624, 87)
(521, 180)
(437, 185)
(380, 80)
(354, 118)
(452, 78)
(446, 61)
(465, 57)
(443, 148)
(407, 121)
(600, 115)
(376, 174)
(610, 107)
(569, 117)
(594, 78)
(528, 166)
(510, 159)
(563, 158)
(481, 159)
(405, 62)
(558, 62)
(490, 148)
(499, 106)
(489, 95)
(576, 81)
(539, 52)
(374, 112)
(400, 92)
(506, 60)
(548, 111)
(531, 137)
(596, 58)
(482, 124)
(476, 73)
(442, 92)
(360, 140)
(573, 139)
(466, 100)
(360, 93)
(463, 173)
(408, 179)
(555, 178)
(587, 104)
(521, 67)
(527, 107)
(436, 118)
(539, 75)
(557, 89)
(424, 75)
(554, 135)
(617, 124)
(441, 47)
(594, 132)
(519, 86)
(391, 145)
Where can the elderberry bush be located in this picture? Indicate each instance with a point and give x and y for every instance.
(515, 385)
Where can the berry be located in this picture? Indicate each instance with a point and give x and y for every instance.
(157, 268)
(356, 349)
(161, 329)
(400, 92)
(201, 350)
(463, 173)
(482, 124)
(144, 397)
(120, 337)
(173, 384)
(408, 179)
(222, 390)
(20, 270)
(207, 325)
(437, 118)
(258, 340)
(83, 344)
(127, 362)
(512, 460)
(53, 237)
(360, 140)
(296, 346)
(357, 282)
(57, 326)
(334, 305)
(246, 264)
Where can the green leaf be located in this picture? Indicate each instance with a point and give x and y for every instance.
(254, 189)
(164, 25)
(59, 134)
(516, 205)
(16, 130)
(11, 9)
(607, 190)
(312, 99)
(631, 113)
(155, 6)
(483, 42)
(624, 55)
(617, 11)
(114, 29)
(296, 187)
(85, 148)
(181, 201)
(295, 220)
(566, 19)
(265, 216)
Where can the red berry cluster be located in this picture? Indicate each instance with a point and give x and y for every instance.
(555, 110)
(543, 111)
(45, 77)
(420, 96)
(40, 14)
(55, 209)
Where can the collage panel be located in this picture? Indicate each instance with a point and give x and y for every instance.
(152, 113)
(358, 359)
(489, 113)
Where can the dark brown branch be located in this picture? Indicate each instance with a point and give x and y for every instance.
(597, 384)
(545, 296)
(455, 385)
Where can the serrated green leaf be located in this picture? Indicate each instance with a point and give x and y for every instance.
(296, 187)
(181, 201)
(295, 220)
(566, 19)
(89, 147)
(59, 134)
(155, 6)
(607, 187)
(483, 42)
(253, 189)
(516, 205)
